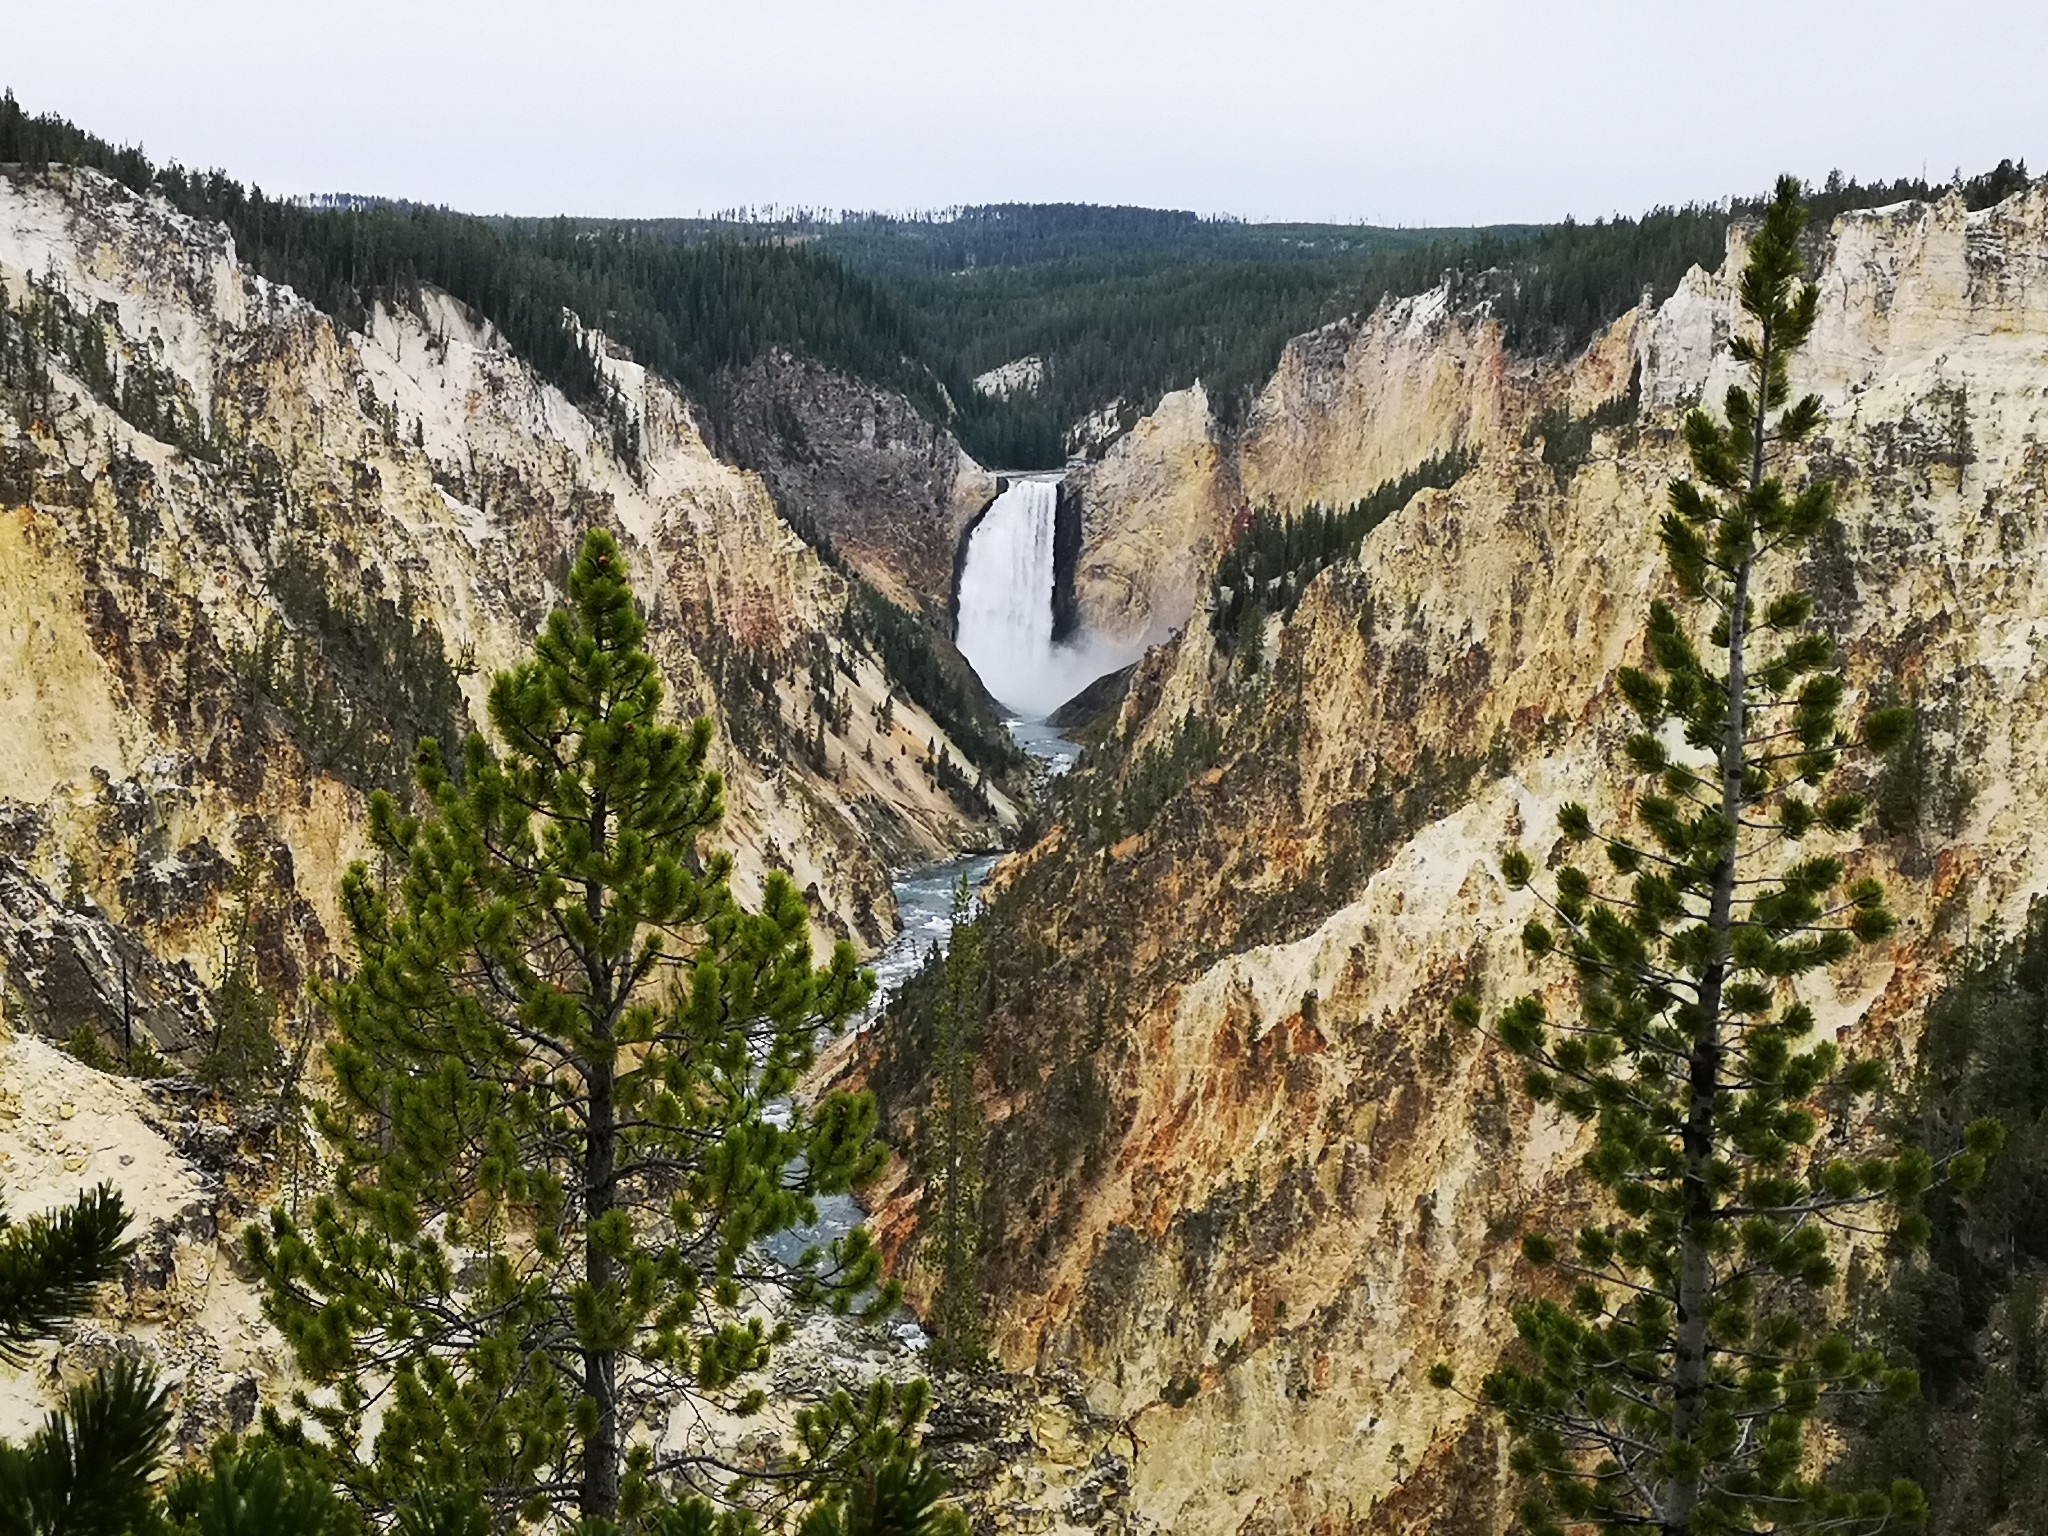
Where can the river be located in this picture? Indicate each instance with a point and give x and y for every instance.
(924, 914)
(924, 909)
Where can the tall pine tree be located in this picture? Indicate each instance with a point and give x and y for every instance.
(561, 1111)
(1672, 1389)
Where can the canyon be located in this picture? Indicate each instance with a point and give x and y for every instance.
(418, 472)
(1244, 1183)
(1244, 1176)
(220, 639)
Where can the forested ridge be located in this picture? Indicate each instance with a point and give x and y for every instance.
(954, 240)
(1122, 304)
(1125, 304)
(689, 312)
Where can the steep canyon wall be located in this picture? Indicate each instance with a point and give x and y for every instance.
(247, 557)
(892, 491)
(1242, 1173)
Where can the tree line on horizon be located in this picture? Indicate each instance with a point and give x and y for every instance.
(1124, 305)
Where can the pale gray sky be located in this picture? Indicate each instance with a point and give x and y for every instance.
(1450, 111)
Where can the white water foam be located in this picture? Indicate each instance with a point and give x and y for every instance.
(1006, 589)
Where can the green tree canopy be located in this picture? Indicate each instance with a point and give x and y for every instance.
(561, 1112)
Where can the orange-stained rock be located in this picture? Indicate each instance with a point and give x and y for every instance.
(1250, 1182)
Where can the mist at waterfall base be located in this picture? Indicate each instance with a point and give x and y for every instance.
(1005, 612)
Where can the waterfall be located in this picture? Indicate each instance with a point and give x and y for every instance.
(1006, 593)
(1005, 606)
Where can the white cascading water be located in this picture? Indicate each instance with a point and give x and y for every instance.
(1005, 625)
(1005, 622)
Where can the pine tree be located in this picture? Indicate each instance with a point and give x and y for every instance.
(243, 1054)
(560, 1108)
(953, 1198)
(255, 1490)
(890, 1487)
(1671, 1390)
(86, 1471)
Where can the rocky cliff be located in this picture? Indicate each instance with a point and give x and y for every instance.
(890, 490)
(1156, 507)
(1351, 408)
(1242, 1174)
(250, 556)
(1364, 400)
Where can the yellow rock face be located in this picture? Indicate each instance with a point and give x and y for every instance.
(417, 461)
(1156, 509)
(1252, 1184)
(1351, 406)
(64, 718)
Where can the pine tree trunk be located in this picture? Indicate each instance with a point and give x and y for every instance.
(1695, 1262)
(601, 1452)
(1702, 1134)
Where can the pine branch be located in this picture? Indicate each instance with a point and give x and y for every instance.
(87, 1469)
(50, 1265)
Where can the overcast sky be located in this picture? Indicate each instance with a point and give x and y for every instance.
(1430, 112)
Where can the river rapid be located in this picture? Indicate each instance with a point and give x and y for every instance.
(924, 915)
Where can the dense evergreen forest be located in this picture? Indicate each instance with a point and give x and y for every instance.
(1122, 304)
(954, 240)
